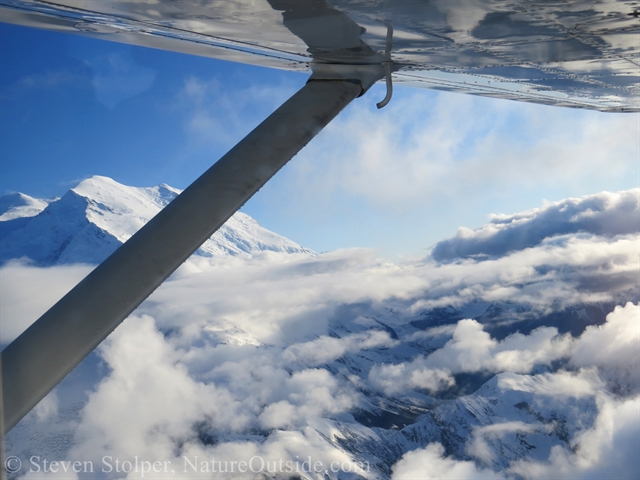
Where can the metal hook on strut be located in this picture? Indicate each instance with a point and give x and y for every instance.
(387, 67)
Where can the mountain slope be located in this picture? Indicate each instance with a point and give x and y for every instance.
(18, 205)
(93, 219)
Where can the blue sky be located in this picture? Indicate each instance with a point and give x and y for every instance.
(397, 180)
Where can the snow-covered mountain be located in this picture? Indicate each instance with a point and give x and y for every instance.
(19, 205)
(93, 219)
(501, 363)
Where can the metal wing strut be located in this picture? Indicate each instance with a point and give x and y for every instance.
(48, 350)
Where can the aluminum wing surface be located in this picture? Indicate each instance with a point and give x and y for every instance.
(582, 53)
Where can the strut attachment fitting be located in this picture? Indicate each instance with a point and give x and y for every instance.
(364, 73)
(387, 67)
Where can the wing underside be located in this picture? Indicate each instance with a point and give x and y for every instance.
(583, 54)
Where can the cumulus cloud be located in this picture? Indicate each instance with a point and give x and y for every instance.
(150, 402)
(395, 378)
(150, 398)
(607, 450)
(472, 350)
(307, 394)
(606, 213)
(432, 463)
(613, 347)
(147, 399)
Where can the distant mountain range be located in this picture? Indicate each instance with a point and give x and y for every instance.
(94, 218)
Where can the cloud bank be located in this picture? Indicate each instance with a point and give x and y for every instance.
(520, 365)
(606, 214)
(27, 292)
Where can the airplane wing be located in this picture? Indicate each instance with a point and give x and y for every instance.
(581, 53)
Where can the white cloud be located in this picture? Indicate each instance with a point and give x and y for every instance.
(326, 349)
(27, 292)
(601, 214)
(236, 349)
(473, 350)
(613, 347)
(290, 299)
(395, 378)
(568, 270)
(307, 394)
(607, 450)
(47, 408)
(460, 145)
(431, 463)
(148, 398)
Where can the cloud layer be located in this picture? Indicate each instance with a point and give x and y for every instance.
(607, 214)
(520, 364)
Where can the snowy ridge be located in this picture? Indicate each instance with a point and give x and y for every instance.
(93, 219)
(19, 205)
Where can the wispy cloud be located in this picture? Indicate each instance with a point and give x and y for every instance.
(219, 115)
(462, 145)
(116, 77)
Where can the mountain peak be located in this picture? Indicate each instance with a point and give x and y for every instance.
(96, 180)
(18, 205)
(99, 214)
